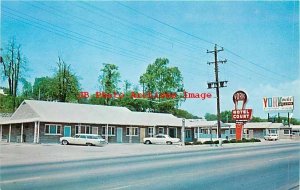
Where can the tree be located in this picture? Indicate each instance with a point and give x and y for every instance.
(160, 78)
(13, 62)
(27, 89)
(44, 89)
(184, 114)
(66, 83)
(226, 117)
(210, 117)
(109, 80)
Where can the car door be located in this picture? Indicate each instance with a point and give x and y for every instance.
(82, 139)
(160, 139)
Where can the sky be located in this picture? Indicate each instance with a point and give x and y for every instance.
(260, 41)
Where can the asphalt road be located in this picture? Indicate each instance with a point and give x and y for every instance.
(256, 167)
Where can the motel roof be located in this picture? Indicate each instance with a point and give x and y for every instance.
(203, 123)
(58, 112)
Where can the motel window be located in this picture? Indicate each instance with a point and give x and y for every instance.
(286, 132)
(232, 131)
(111, 130)
(272, 131)
(85, 129)
(52, 129)
(95, 130)
(131, 131)
(160, 130)
(150, 131)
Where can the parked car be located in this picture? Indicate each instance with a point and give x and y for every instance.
(161, 139)
(84, 139)
(271, 137)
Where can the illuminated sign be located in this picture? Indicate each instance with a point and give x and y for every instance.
(283, 103)
(239, 96)
(240, 115)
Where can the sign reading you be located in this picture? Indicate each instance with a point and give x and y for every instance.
(283, 103)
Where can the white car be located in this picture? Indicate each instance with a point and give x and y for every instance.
(161, 139)
(84, 139)
(271, 137)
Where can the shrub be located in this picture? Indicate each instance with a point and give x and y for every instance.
(208, 142)
(239, 141)
(198, 143)
(225, 141)
(216, 142)
(245, 140)
(232, 141)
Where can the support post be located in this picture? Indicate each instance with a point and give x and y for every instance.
(9, 133)
(183, 132)
(106, 133)
(289, 119)
(38, 132)
(34, 132)
(130, 134)
(154, 131)
(0, 132)
(22, 131)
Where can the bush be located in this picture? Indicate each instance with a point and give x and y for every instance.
(245, 140)
(198, 143)
(232, 141)
(216, 142)
(188, 143)
(208, 142)
(239, 141)
(225, 141)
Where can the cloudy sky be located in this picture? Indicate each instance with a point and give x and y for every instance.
(260, 40)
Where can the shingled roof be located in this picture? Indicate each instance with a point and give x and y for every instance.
(43, 111)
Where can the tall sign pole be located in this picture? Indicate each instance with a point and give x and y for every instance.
(217, 85)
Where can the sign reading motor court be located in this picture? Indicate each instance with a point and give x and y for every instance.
(283, 103)
(240, 115)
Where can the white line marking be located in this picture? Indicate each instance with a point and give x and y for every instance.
(20, 180)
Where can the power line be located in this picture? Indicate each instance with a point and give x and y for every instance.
(201, 39)
(164, 23)
(74, 17)
(66, 35)
(103, 44)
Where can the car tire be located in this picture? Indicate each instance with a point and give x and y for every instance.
(169, 142)
(148, 142)
(64, 142)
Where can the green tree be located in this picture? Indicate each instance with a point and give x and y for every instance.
(184, 114)
(26, 89)
(160, 78)
(44, 89)
(66, 83)
(109, 81)
(13, 64)
(210, 117)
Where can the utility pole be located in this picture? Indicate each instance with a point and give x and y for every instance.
(217, 85)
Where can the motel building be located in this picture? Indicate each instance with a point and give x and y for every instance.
(45, 122)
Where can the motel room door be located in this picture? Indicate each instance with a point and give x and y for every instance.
(67, 131)
(172, 132)
(119, 135)
(188, 135)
